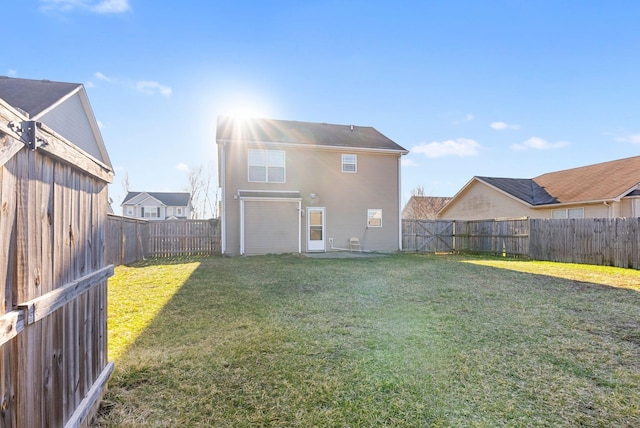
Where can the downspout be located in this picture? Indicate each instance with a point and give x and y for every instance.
(400, 202)
(241, 227)
(223, 197)
(609, 209)
(300, 227)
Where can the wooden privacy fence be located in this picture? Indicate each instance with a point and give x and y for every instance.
(130, 239)
(125, 240)
(53, 275)
(598, 241)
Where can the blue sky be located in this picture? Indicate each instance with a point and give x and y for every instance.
(504, 88)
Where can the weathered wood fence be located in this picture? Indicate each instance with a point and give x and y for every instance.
(130, 239)
(53, 275)
(599, 241)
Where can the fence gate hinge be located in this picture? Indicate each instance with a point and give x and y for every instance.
(29, 133)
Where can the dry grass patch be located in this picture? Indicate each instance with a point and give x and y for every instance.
(407, 340)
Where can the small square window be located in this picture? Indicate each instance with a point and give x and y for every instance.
(374, 217)
(350, 163)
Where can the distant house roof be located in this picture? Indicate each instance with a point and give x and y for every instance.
(424, 207)
(303, 133)
(170, 199)
(599, 182)
(34, 96)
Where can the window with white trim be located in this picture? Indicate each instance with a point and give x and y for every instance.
(350, 163)
(151, 212)
(568, 213)
(266, 166)
(130, 211)
(374, 217)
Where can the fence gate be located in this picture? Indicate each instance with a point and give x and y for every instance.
(428, 236)
(53, 277)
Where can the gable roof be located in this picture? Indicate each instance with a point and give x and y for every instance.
(63, 107)
(34, 96)
(604, 181)
(170, 199)
(525, 189)
(598, 182)
(311, 134)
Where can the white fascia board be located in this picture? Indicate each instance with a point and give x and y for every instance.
(277, 144)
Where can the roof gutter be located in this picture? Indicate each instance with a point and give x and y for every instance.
(314, 146)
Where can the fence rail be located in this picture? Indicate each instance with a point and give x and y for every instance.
(130, 239)
(598, 241)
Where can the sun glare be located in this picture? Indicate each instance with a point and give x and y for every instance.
(245, 108)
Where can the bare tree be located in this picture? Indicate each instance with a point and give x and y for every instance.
(423, 207)
(200, 187)
(125, 182)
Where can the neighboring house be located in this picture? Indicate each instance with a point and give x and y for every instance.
(157, 205)
(62, 107)
(291, 187)
(423, 207)
(608, 189)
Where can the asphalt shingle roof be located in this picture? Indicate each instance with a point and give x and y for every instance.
(306, 133)
(33, 96)
(599, 182)
(170, 199)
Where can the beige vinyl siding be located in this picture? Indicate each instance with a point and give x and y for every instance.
(481, 202)
(346, 197)
(270, 227)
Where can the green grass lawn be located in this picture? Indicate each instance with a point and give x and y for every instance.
(408, 340)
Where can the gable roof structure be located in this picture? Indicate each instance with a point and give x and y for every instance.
(170, 199)
(309, 134)
(63, 107)
(602, 182)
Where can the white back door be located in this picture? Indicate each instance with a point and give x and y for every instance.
(315, 229)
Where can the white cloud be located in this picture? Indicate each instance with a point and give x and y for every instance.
(501, 126)
(101, 76)
(537, 143)
(183, 167)
(408, 162)
(12, 73)
(151, 88)
(470, 116)
(631, 138)
(111, 6)
(459, 147)
(101, 7)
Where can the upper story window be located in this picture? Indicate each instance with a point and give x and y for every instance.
(568, 213)
(349, 163)
(151, 212)
(266, 166)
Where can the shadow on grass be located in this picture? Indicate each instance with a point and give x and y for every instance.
(405, 340)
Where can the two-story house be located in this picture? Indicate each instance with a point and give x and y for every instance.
(157, 205)
(293, 187)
